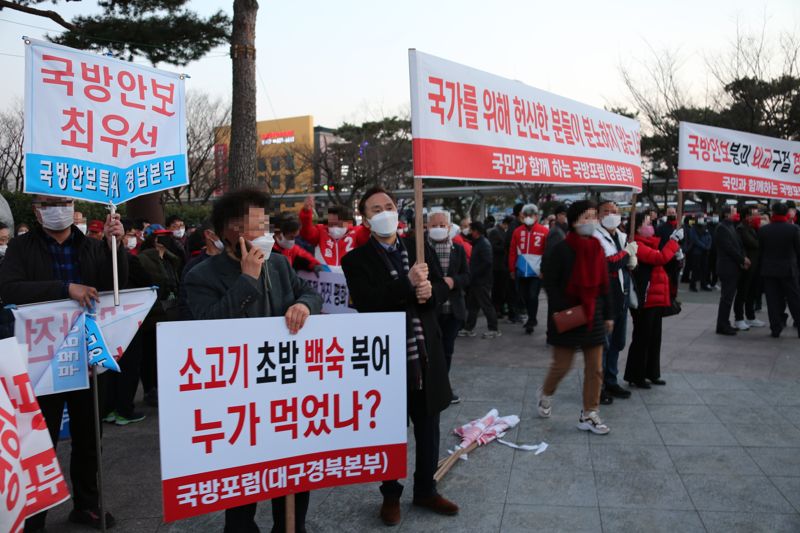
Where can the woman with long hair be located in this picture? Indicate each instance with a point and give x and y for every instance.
(575, 275)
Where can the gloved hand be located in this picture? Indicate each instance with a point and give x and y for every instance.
(679, 255)
(632, 248)
(677, 235)
(633, 261)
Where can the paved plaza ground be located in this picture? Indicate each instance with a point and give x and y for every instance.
(717, 449)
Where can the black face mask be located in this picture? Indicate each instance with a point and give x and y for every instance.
(672, 217)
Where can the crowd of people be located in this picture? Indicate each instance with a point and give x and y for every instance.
(595, 269)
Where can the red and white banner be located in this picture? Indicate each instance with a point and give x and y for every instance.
(733, 162)
(472, 125)
(30, 476)
(249, 412)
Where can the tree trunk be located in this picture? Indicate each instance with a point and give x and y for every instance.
(243, 142)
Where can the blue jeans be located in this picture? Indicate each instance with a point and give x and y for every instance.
(615, 343)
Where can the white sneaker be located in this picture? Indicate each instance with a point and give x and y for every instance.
(467, 333)
(591, 422)
(756, 323)
(741, 325)
(545, 404)
(492, 334)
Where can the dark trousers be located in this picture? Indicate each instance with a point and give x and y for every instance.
(122, 386)
(148, 366)
(243, 519)
(499, 290)
(615, 343)
(780, 293)
(698, 269)
(449, 325)
(728, 281)
(83, 459)
(479, 298)
(426, 438)
(745, 301)
(644, 355)
(513, 298)
(529, 288)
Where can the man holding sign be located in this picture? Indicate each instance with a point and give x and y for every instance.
(245, 281)
(53, 261)
(383, 275)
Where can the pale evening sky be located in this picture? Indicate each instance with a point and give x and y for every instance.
(348, 60)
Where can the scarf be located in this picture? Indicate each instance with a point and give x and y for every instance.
(589, 276)
(443, 253)
(416, 355)
(780, 218)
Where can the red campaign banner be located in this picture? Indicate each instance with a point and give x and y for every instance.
(486, 163)
(741, 185)
(231, 487)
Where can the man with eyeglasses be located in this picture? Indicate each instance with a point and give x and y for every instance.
(53, 261)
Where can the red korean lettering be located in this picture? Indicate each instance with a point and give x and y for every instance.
(339, 421)
(60, 76)
(148, 138)
(80, 125)
(166, 95)
(311, 406)
(217, 370)
(314, 356)
(133, 85)
(191, 368)
(283, 415)
(496, 111)
(334, 356)
(99, 79)
(242, 411)
(437, 98)
(121, 130)
(207, 439)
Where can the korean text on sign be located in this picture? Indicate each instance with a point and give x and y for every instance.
(733, 162)
(469, 124)
(332, 287)
(252, 412)
(99, 128)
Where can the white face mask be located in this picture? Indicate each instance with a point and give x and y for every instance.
(438, 234)
(130, 243)
(179, 233)
(465, 232)
(3, 248)
(265, 243)
(219, 245)
(453, 231)
(585, 230)
(528, 221)
(286, 244)
(384, 224)
(611, 221)
(336, 232)
(57, 218)
(22, 232)
(82, 227)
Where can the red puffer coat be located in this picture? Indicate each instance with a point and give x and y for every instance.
(653, 259)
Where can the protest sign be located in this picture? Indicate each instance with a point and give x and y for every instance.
(56, 351)
(30, 476)
(99, 128)
(468, 124)
(332, 287)
(719, 160)
(249, 412)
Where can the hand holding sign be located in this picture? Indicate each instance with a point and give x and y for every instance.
(83, 294)
(113, 228)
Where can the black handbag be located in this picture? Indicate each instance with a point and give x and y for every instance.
(673, 309)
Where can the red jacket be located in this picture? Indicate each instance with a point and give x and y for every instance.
(458, 239)
(527, 249)
(658, 290)
(294, 253)
(328, 250)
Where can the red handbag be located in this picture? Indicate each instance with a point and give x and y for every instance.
(569, 319)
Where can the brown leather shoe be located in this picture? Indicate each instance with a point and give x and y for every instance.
(438, 504)
(390, 510)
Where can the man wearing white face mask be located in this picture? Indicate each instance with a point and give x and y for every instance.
(332, 241)
(525, 260)
(621, 259)
(383, 275)
(80, 221)
(247, 280)
(53, 261)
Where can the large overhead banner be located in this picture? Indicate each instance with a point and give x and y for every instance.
(472, 125)
(726, 161)
(99, 128)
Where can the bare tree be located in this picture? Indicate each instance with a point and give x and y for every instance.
(12, 157)
(204, 114)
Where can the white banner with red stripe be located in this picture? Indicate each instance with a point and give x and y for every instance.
(249, 412)
(720, 160)
(469, 124)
